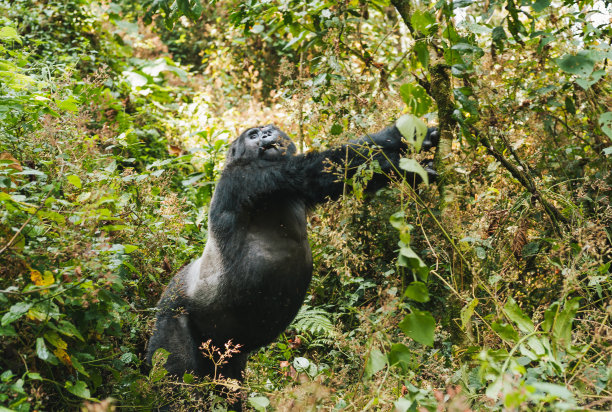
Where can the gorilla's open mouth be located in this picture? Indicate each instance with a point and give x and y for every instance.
(268, 146)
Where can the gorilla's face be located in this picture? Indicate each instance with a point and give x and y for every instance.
(266, 142)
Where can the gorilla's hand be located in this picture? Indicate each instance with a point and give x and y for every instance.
(428, 165)
(432, 138)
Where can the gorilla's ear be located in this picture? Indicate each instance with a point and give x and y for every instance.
(236, 150)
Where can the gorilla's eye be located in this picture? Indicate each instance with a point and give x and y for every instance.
(253, 133)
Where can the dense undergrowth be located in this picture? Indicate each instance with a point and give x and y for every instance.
(489, 289)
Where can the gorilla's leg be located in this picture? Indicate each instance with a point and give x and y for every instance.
(173, 332)
(234, 367)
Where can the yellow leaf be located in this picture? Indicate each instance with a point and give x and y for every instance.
(63, 356)
(36, 277)
(54, 339)
(37, 315)
(8, 161)
(41, 280)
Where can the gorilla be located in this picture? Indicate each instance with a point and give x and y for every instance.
(253, 275)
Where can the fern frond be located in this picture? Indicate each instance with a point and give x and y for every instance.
(315, 321)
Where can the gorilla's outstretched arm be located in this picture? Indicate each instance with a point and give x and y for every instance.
(322, 180)
(313, 176)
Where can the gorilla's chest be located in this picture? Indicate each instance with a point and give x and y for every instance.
(275, 269)
(276, 241)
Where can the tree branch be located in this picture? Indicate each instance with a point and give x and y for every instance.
(403, 7)
(524, 178)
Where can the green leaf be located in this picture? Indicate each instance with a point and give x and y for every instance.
(404, 234)
(128, 357)
(376, 362)
(15, 312)
(70, 104)
(540, 5)
(530, 249)
(402, 405)
(552, 389)
(399, 355)
(422, 53)
(9, 34)
(336, 129)
(301, 364)
(15, 80)
(41, 349)
(411, 165)
(580, 63)
(52, 216)
(159, 360)
(417, 291)
(419, 103)
(468, 48)
(421, 20)
(83, 197)
(78, 366)
(538, 345)
(259, 403)
(79, 388)
(69, 329)
(129, 249)
(258, 28)
(131, 267)
(569, 105)
(562, 329)
(516, 315)
(6, 375)
(586, 82)
(467, 312)
(408, 253)
(506, 331)
(54, 339)
(605, 122)
(188, 378)
(397, 220)
(420, 326)
(498, 34)
(413, 129)
(550, 316)
(134, 79)
(75, 181)
(7, 330)
(160, 65)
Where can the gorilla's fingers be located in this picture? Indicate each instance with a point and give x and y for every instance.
(432, 138)
(428, 165)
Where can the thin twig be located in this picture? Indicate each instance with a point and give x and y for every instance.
(10, 242)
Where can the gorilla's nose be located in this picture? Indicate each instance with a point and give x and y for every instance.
(268, 131)
(269, 141)
(269, 136)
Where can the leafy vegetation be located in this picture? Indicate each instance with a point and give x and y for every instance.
(489, 289)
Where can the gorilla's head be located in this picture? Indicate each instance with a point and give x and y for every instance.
(265, 142)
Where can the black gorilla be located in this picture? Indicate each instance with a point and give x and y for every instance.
(254, 273)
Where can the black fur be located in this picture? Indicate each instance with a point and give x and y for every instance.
(257, 265)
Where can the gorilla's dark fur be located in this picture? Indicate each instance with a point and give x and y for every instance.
(254, 273)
